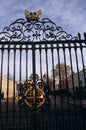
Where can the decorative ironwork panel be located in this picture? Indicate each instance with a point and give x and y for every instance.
(44, 30)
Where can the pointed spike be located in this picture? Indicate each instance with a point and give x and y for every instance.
(79, 35)
(85, 35)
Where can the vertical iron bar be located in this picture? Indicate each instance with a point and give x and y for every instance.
(20, 72)
(68, 101)
(27, 77)
(34, 118)
(83, 74)
(83, 65)
(46, 64)
(52, 49)
(40, 52)
(74, 99)
(26, 62)
(46, 52)
(14, 87)
(82, 57)
(78, 78)
(78, 72)
(62, 111)
(1, 80)
(7, 105)
(0, 86)
(33, 62)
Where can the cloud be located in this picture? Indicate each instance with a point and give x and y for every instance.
(70, 14)
(74, 17)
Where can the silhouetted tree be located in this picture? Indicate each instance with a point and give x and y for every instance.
(61, 73)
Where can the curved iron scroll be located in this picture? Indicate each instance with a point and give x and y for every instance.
(44, 30)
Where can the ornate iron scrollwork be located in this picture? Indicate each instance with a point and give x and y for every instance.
(43, 30)
(33, 96)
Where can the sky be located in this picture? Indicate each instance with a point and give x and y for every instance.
(69, 14)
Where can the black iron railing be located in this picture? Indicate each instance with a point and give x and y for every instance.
(42, 77)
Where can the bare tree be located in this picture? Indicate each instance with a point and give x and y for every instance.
(61, 73)
(47, 80)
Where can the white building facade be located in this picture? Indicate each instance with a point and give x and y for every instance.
(8, 87)
(77, 80)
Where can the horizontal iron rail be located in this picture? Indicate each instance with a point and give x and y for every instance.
(44, 42)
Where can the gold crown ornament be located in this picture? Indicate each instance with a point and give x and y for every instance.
(32, 16)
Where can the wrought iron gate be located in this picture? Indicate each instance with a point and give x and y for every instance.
(42, 77)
